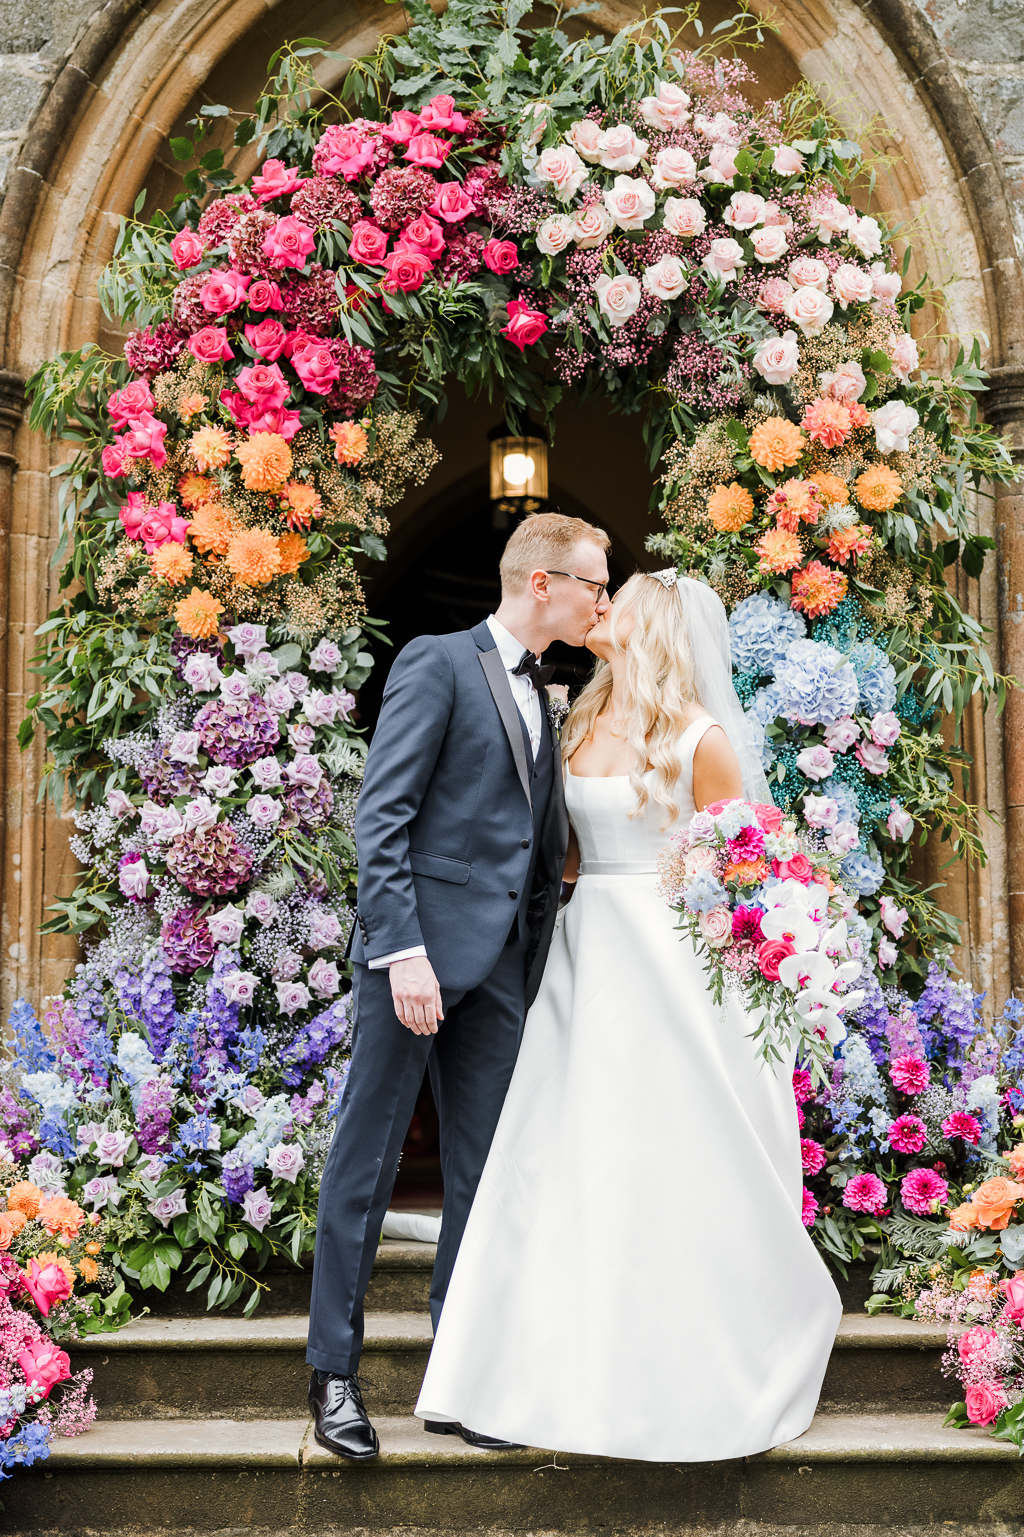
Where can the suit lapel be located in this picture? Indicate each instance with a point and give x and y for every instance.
(497, 682)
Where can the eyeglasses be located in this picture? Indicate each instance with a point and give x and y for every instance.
(602, 587)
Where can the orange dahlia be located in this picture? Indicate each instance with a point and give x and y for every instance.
(300, 504)
(191, 405)
(293, 550)
(794, 502)
(266, 461)
(171, 563)
(211, 447)
(879, 488)
(847, 542)
(730, 508)
(776, 444)
(860, 416)
(827, 422)
(211, 528)
(779, 550)
(350, 442)
(59, 1215)
(25, 1197)
(196, 489)
(253, 555)
(831, 487)
(88, 1269)
(198, 615)
(817, 590)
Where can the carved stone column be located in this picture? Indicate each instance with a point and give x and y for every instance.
(1004, 409)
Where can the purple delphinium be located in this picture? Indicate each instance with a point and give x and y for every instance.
(153, 1117)
(236, 1176)
(314, 1040)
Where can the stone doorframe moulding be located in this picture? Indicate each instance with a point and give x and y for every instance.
(133, 74)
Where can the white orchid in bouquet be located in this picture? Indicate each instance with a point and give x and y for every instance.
(763, 904)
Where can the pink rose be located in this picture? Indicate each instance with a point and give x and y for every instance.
(285, 423)
(401, 127)
(773, 294)
(776, 217)
(368, 244)
(808, 272)
(618, 298)
(555, 233)
(264, 385)
(893, 424)
(501, 256)
(42, 1362)
(905, 360)
(820, 811)
(796, 868)
(166, 1207)
(451, 203)
(885, 728)
(630, 201)
(289, 243)
(223, 292)
(1013, 1291)
(112, 1148)
(809, 309)
(885, 285)
(851, 285)
(128, 402)
(160, 524)
(112, 459)
(133, 879)
(899, 822)
(275, 180)
(815, 762)
(770, 955)
(210, 345)
(324, 978)
(666, 279)
(267, 339)
(584, 136)
(778, 358)
(525, 326)
(669, 109)
(832, 218)
(425, 236)
(285, 1161)
(984, 1400)
(350, 152)
(133, 514)
(187, 249)
(872, 759)
(847, 383)
(769, 243)
(787, 161)
(724, 259)
(426, 150)
(591, 226)
(975, 1344)
(865, 235)
(406, 271)
(894, 917)
(684, 216)
(716, 927)
(145, 440)
(619, 149)
(745, 209)
(316, 365)
(263, 295)
(673, 167)
(562, 168)
(844, 837)
(722, 167)
(440, 113)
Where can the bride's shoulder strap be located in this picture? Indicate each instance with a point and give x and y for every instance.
(695, 731)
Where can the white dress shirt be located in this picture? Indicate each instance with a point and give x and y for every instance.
(530, 708)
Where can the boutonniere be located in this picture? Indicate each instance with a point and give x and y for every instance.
(558, 704)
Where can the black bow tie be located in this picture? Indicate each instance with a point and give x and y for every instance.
(528, 666)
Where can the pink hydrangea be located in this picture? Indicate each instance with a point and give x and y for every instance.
(908, 1134)
(961, 1124)
(921, 1189)
(865, 1192)
(910, 1074)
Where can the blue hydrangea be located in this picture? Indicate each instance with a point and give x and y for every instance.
(767, 704)
(845, 798)
(863, 873)
(761, 630)
(704, 892)
(876, 677)
(816, 684)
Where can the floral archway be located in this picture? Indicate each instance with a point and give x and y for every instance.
(529, 215)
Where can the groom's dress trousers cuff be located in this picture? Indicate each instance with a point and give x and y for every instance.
(399, 955)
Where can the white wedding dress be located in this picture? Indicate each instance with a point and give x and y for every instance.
(635, 1280)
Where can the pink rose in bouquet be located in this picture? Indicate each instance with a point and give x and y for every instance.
(162, 523)
(451, 203)
(275, 179)
(770, 955)
(112, 459)
(133, 514)
(268, 338)
(425, 149)
(210, 345)
(406, 271)
(402, 126)
(289, 243)
(316, 365)
(369, 243)
(263, 294)
(187, 249)
(440, 113)
(130, 401)
(424, 236)
(716, 927)
(145, 439)
(223, 292)
(264, 385)
(984, 1401)
(787, 161)
(501, 256)
(46, 1283)
(525, 326)
(44, 1364)
(1013, 1293)
(343, 151)
(796, 868)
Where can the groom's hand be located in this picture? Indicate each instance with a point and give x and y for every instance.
(416, 994)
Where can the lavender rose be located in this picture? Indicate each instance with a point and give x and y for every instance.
(285, 1161)
(257, 1209)
(167, 1207)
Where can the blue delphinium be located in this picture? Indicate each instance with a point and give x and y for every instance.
(28, 1445)
(816, 683)
(704, 892)
(761, 630)
(876, 678)
(30, 1044)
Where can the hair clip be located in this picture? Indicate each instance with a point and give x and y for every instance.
(667, 578)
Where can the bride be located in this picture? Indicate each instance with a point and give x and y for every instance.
(635, 1280)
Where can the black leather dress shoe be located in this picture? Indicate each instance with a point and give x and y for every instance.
(340, 1420)
(471, 1437)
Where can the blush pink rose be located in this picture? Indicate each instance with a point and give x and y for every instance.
(561, 167)
(673, 167)
(555, 233)
(210, 345)
(666, 279)
(745, 209)
(591, 226)
(275, 180)
(850, 285)
(43, 1363)
(787, 161)
(316, 366)
(223, 292)
(669, 109)
(904, 355)
(773, 294)
(893, 424)
(187, 249)
(525, 326)
(501, 256)
(770, 243)
(722, 165)
(865, 235)
(899, 822)
(129, 401)
(618, 298)
(619, 149)
(145, 439)
(424, 235)
(684, 216)
(630, 201)
(846, 384)
(406, 271)
(872, 759)
(885, 285)
(809, 309)
(716, 927)
(808, 272)
(426, 150)
(584, 136)
(263, 295)
(832, 218)
(724, 259)
(885, 728)
(984, 1400)
(402, 126)
(451, 203)
(440, 113)
(289, 243)
(778, 358)
(268, 339)
(264, 385)
(369, 244)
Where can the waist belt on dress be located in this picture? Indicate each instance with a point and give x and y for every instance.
(618, 867)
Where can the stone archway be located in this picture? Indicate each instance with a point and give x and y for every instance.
(101, 138)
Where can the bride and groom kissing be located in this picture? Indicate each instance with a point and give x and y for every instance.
(602, 1121)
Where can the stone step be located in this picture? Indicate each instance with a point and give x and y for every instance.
(254, 1369)
(873, 1475)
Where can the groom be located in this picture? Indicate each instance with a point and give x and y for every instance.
(461, 832)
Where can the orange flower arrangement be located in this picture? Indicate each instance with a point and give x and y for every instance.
(197, 616)
(88, 1269)
(253, 555)
(1015, 1158)
(832, 489)
(793, 503)
(196, 489)
(827, 422)
(746, 872)
(191, 405)
(878, 489)
(8, 1228)
(817, 590)
(25, 1197)
(293, 550)
(210, 447)
(94, 1248)
(964, 1217)
(730, 508)
(211, 528)
(848, 542)
(995, 1199)
(171, 563)
(350, 442)
(301, 503)
(266, 461)
(779, 550)
(775, 444)
(59, 1215)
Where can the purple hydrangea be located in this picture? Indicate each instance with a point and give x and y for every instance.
(211, 862)
(164, 778)
(152, 351)
(187, 941)
(237, 732)
(308, 809)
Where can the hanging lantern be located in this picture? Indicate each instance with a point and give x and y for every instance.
(519, 472)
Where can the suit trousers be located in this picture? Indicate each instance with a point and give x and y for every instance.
(470, 1061)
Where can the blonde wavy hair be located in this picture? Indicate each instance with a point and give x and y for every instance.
(660, 690)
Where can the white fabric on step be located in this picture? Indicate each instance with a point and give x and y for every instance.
(411, 1225)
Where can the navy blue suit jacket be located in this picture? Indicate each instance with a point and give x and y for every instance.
(444, 823)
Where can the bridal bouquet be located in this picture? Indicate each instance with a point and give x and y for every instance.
(764, 906)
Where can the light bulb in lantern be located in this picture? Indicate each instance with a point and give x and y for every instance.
(517, 469)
